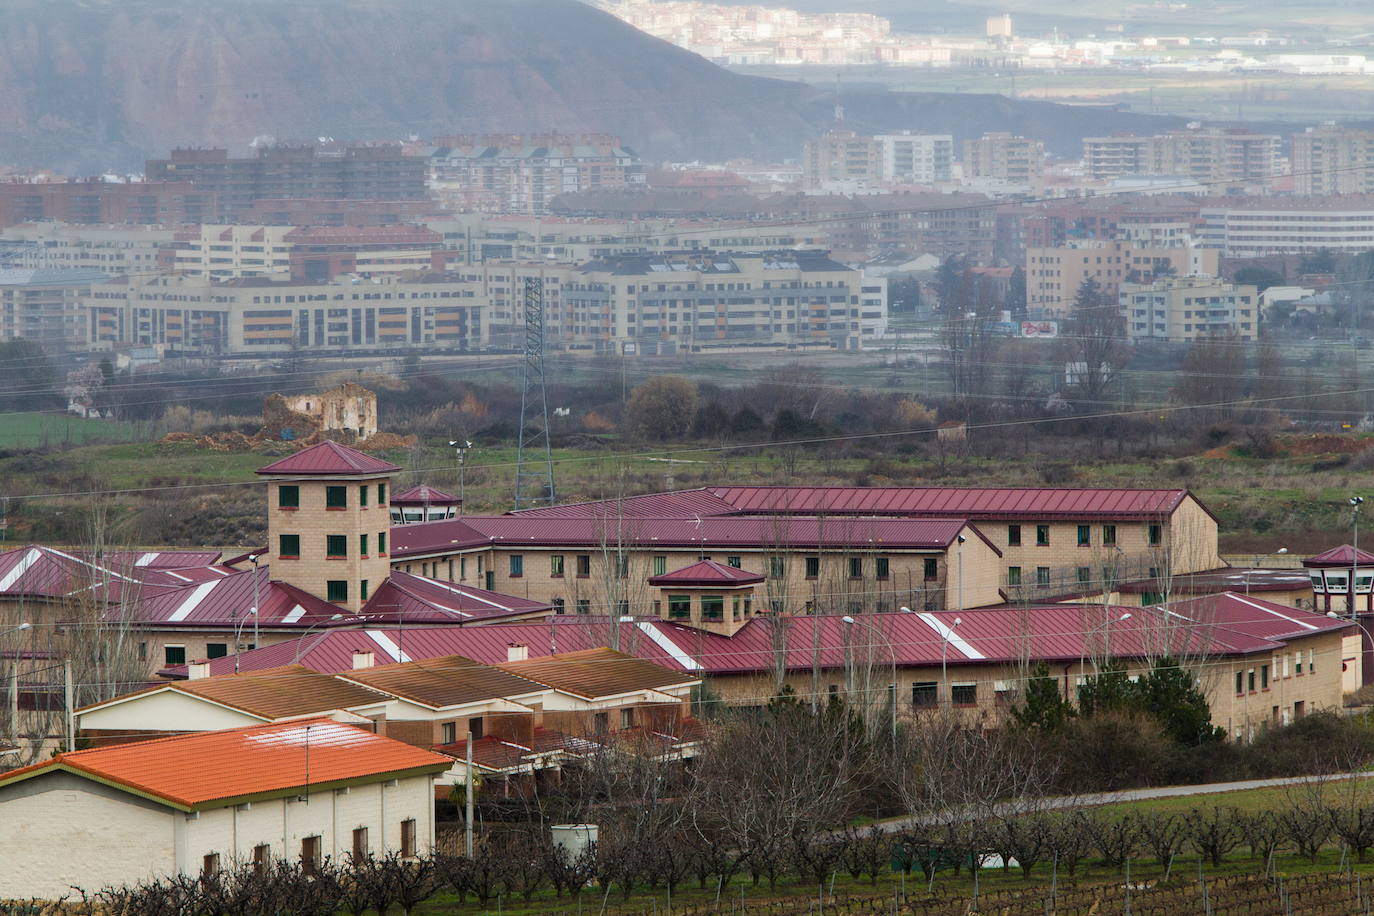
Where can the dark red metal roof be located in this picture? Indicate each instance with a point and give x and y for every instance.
(328, 458)
(227, 601)
(404, 598)
(733, 531)
(424, 495)
(673, 504)
(707, 573)
(968, 502)
(1344, 555)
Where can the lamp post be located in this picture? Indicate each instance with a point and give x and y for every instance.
(254, 560)
(1355, 502)
(23, 626)
(461, 447)
(238, 633)
(893, 654)
(944, 653)
(1082, 663)
(959, 556)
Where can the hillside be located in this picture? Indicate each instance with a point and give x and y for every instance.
(89, 84)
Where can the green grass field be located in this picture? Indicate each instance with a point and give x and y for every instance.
(57, 430)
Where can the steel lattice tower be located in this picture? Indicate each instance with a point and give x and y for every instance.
(534, 472)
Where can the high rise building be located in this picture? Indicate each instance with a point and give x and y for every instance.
(1203, 154)
(1333, 160)
(1005, 157)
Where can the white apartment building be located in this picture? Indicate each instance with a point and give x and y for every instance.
(1286, 227)
(702, 300)
(908, 158)
(1183, 309)
(109, 249)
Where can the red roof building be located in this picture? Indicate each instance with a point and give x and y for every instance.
(707, 573)
(328, 459)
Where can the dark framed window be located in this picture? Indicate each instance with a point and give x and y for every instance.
(1085, 535)
(856, 567)
(1085, 575)
(1109, 535)
(262, 858)
(925, 695)
(1250, 680)
(963, 694)
(310, 854)
(622, 567)
(517, 565)
(289, 496)
(1042, 535)
(335, 546)
(288, 545)
(1042, 575)
(381, 543)
(1156, 534)
(216, 649)
(362, 590)
(360, 847)
(1013, 576)
(584, 606)
(174, 655)
(660, 566)
(733, 561)
(362, 545)
(679, 607)
(584, 565)
(336, 590)
(381, 494)
(932, 569)
(408, 849)
(1240, 682)
(813, 567)
(1264, 677)
(362, 495)
(882, 568)
(556, 565)
(209, 865)
(1013, 535)
(777, 567)
(336, 497)
(712, 607)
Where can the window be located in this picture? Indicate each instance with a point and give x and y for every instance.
(174, 655)
(1042, 575)
(1311, 661)
(813, 567)
(622, 567)
(1264, 677)
(1250, 680)
(1240, 682)
(381, 543)
(517, 565)
(584, 565)
(1042, 535)
(600, 723)
(712, 607)
(932, 569)
(289, 546)
(556, 565)
(262, 857)
(1109, 535)
(335, 546)
(360, 850)
(336, 497)
(310, 854)
(362, 495)
(925, 695)
(882, 568)
(777, 567)
(448, 733)
(1013, 535)
(1013, 576)
(381, 494)
(584, 606)
(336, 590)
(216, 649)
(362, 545)
(559, 606)
(963, 694)
(733, 561)
(1085, 535)
(1297, 662)
(1085, 575)
(288, 496)
(660, 566)
(362, 590)
(679, 607)
(1156, 535)
(408, 838)
(856, 567)
(627, 718)
(209, 865)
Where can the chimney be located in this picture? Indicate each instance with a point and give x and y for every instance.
(515, 652)
(197, 670)
(362, 659)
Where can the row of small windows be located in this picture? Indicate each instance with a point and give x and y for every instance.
(1154, 535)
(777, 566)
(311, 859)
(335, 546)
(335, 497)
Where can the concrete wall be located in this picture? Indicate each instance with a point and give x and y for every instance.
(59, 830)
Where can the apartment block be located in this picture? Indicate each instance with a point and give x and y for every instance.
(519, 173)
(151, 203)
(694, 300)
(909, 158)
(1264, 227)
(1184, 309)
(1203, 154)
(1054, 275)
(374, 173)
(1333, 160)
(43, 305)
(111, 249)
(1005, 157)
(841, 158)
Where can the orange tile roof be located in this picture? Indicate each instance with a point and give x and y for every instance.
(213, 769)
(450, 680)
(595, 673)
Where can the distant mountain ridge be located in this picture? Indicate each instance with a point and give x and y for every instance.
(91, 84)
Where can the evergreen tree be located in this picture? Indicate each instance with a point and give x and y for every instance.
(1109, 689)
(1042, 706)
(1170, 693)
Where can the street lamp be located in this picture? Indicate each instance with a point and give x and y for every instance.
(1355, 502)
(254, 560)
(238, 634)
(1108, 647)
(461, 447)
(893, 654)
(945, 634)
(23, 626)
(959, 555)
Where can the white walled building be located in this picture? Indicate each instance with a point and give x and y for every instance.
(303, 791)
(1182, 309)
(908, 158)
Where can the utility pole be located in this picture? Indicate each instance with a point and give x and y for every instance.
(1355, 502)
(68, 700)
(534, 484)
(467, 793)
